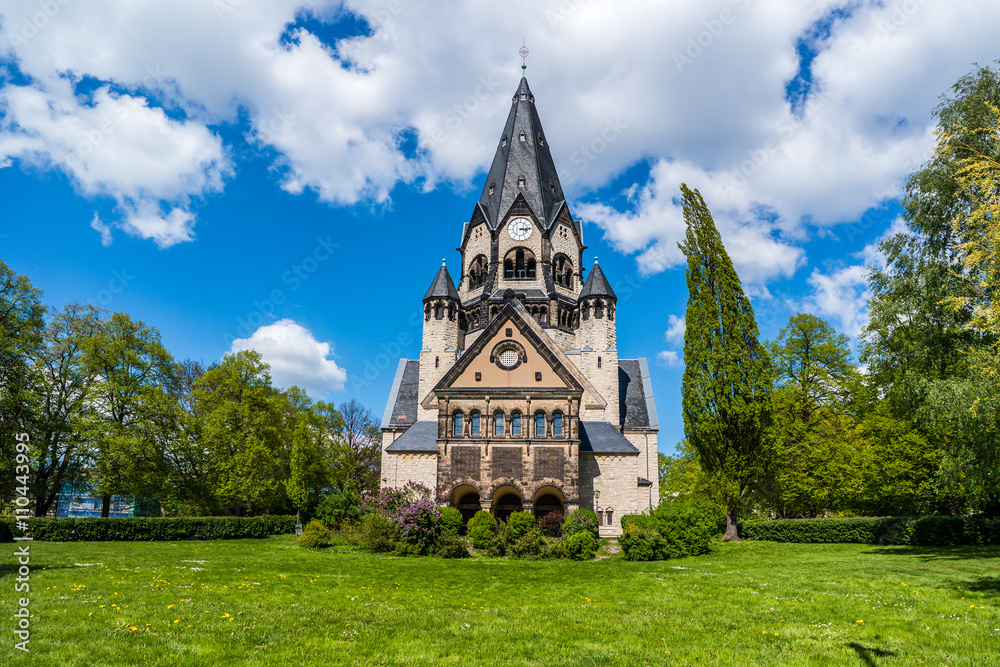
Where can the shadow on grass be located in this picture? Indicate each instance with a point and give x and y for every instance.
(868, 654)
(988, 586)
(937, 553)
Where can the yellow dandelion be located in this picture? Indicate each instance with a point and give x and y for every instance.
(170, 606)
(177, 620)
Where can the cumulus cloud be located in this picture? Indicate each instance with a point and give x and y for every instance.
(669, 359)
(696, 89)
(675, 330)
(296, 357)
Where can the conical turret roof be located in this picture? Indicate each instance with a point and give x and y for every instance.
(523, 153)
(597, 285)
(442, 287)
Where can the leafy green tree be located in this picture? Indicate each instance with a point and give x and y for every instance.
(21, 325)
(134, 413)
(815, 383)
(64, 388)
(358, 448)
(726, 387)
(918, 347)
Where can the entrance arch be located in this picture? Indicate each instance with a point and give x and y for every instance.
(466, 499)
(506, 501)
(548, 499)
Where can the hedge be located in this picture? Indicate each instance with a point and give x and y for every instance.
(925, 531)
(151, 528)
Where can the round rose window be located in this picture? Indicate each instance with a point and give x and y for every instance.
(508, 358)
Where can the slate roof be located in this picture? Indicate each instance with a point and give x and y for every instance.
(442, 286)
(635, 395)
(597, 284)
(603, 438)
(401, 409)
(421, 437)
(529, 158)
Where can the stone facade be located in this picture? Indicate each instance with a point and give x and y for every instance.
(519, 399)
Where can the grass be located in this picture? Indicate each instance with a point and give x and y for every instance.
(269, 602)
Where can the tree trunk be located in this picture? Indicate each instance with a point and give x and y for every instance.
(731, 534)
(105, 506)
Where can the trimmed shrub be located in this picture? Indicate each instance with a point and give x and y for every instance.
(687, 528)
(405, 549)
(339, 509)
(519, 524)
(581, 545)
(642, 544)
(378, 533)
(643, 521)
(529, 545)
(581, 520)
(927, 531)
(551, 523)
(482, 529)
(315, 535)
(451, 521)
(452, 546)
(132, 529)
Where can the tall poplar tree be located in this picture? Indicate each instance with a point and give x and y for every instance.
(727, 370)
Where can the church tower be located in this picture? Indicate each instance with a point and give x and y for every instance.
(519, 400)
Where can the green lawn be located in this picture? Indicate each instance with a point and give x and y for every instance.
(268, 602)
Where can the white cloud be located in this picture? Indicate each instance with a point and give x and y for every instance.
(669, 359)
(101, 229)
(675, 330)
(296, 357)
(611, 91)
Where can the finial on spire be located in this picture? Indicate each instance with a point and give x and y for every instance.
(443, 261)
(524, 54)
(595, 259)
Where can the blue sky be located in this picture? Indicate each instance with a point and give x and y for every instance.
(288, 175)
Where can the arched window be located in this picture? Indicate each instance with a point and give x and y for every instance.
(498, 424)
(598, 362)
(519, 264)
(539, 424)
(562, 271)
(458, 425)
(557, 429)
(515, 424)
(478, 271)
(474, 424)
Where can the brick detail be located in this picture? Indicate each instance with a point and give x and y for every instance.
(506, 462)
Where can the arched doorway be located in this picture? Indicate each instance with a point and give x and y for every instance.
(466, 499)
(506, 501)
(547, 499)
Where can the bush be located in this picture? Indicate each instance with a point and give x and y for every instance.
(378, 533)
(529, 545)
(339, 509)
(927, 531)
(687, 528)
(581, 545)
(482, 529)
(519, 524)
(129, 529)
(315, 535)
(551, 523)
(452, 546)
(451, 521)
(419, 524)
(642, 544)
(553, 551)
(581, 520)
(405, 549)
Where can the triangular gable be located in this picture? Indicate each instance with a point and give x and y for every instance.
(561, 373)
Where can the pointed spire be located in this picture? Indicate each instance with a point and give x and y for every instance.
(442, 287)
(597, 285)
(523, 165)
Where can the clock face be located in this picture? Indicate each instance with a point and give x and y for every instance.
(519, 229)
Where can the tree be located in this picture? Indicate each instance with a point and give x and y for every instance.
(358, 448)
(815, 384)
(134, 412)
(64, 387)
(920, 348)
(727, 374)
(21, 326)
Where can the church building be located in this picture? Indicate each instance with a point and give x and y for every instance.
(519, 400)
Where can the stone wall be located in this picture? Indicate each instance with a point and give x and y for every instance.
(616, 477)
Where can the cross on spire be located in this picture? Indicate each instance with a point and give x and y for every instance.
(523, 51)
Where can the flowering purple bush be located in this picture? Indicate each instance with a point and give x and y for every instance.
(412, 509)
